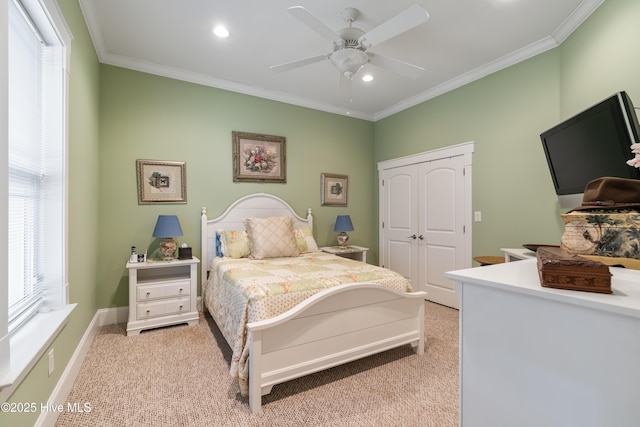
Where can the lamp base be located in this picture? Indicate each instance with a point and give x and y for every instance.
(168, 248)
(343, 238)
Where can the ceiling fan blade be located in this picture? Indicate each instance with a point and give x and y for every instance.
(296, 64)
(312, 22)
(400, 67)
(400, 23)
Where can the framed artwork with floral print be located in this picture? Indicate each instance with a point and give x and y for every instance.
(259, 158)
(334, 190)
(161, 182)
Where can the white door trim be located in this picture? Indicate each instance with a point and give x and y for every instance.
(465, 149)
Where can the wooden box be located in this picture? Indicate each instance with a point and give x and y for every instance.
(602, 233)
(560, 269)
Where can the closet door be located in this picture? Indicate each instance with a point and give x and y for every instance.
(441, 198)
(399, 215)
(425, 218)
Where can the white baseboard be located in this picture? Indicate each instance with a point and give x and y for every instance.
(111, 316)
(106, 316)
(103, 317)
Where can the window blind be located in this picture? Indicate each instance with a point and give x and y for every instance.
(35, 165)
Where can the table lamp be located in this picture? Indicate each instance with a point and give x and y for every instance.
(168, 227)
(343, 224)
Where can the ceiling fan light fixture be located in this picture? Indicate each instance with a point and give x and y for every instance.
(349, 61)
(221, 31)
(350, 44)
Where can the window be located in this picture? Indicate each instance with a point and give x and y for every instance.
(35, 169)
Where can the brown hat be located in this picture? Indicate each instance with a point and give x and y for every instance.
(611, 193)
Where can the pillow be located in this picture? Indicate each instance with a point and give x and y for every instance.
(271, 237)
(234, 243)
(305, 241)
(219, 252)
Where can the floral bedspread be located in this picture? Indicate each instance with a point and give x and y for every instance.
(241, 291)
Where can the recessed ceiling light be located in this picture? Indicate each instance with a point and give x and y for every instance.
(221, 31)
(367, 78)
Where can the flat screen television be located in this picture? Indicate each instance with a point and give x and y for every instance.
(592, 144)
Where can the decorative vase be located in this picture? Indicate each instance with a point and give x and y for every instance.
(168, 248)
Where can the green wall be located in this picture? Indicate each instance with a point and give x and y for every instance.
(118, 116)
(149, 117)
(602, 57)
(505, 113)
(83, 217)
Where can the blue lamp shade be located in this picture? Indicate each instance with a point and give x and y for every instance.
(343, 223)
(167, 226)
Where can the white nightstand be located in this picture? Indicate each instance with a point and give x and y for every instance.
(517, 254)
(162, 293)
(353, 252)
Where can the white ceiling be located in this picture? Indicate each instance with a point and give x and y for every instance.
(463, 40)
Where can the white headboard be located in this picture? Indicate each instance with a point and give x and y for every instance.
(258, 205)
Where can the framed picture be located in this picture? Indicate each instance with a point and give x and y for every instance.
(334, 189)
(161, 182)
(259, 158)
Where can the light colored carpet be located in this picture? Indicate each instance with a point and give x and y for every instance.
(178, 376)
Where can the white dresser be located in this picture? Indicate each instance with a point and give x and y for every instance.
(533, 356)
(162, 293)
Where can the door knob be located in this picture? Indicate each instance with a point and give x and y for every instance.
(421, 237)
(413, 236)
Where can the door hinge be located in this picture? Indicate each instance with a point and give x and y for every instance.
(382, 224)
(464, 229)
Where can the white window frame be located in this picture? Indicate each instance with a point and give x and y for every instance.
(20, 351)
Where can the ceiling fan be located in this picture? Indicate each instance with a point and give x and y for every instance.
(350, 45)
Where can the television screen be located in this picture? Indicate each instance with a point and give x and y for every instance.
(592, 144)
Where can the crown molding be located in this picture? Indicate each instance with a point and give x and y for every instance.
(579, 15)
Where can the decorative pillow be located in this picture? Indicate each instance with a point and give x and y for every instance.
(234, 243)
(305, 241)
(219, 252)
(271, 237)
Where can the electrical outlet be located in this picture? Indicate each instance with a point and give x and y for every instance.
(51, 362)
(478, 216)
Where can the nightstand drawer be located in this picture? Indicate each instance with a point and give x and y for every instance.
(163, 308)
(174, 289)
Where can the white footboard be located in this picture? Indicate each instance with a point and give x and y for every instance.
(333, 327)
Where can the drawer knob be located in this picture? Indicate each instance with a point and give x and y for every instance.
(148, 311)
(180, 289)
(148, 293)
(180, 307)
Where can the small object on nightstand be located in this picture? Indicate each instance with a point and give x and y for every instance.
(488, 260)
(184, 252)
(168, 227)
(343, 223)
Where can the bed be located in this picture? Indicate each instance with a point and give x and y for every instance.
(352, 311)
